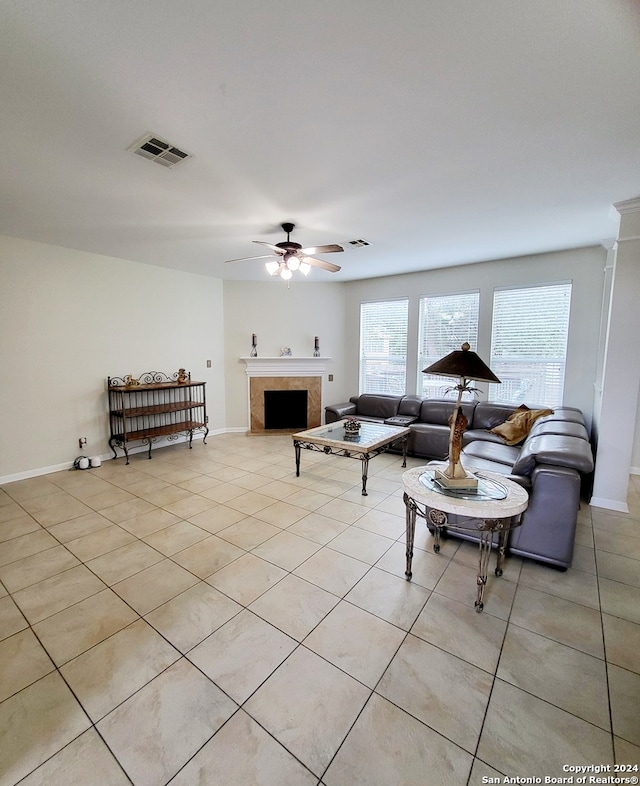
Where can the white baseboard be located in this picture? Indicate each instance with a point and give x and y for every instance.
(609, 504)
(634, 471)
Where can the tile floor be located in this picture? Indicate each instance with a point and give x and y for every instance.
(208, 618)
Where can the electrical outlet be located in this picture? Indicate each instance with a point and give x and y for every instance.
(330, 377)
(82, 442)
(208, 364)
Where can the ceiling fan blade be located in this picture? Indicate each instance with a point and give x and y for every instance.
(321, 263)
(247, 259)
(275, 249)
(330, 249)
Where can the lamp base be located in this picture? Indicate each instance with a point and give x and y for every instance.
(467, 482)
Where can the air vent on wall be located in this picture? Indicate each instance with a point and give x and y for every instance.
(359, 243)
(159, 150)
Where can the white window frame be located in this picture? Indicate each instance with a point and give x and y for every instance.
(529, 340)
(439, 337)
(381, 369)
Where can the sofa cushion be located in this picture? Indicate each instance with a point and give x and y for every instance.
(567, 428)
(556, 449)
(490, 451)
(517, 425)
(378, 405)
(439, 410)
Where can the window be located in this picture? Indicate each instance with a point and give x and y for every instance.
(529, 344)
(383, 346)
(446, 322)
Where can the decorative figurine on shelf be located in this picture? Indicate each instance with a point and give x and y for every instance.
(130, 382)
(316, 347)
(182, 376)
(254, 346)
(285, 352)
(351, 427)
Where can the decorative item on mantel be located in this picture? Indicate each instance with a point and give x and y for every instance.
(316, 347)
(285, 352)
(254, 346)
(351, 427)
(130, 381)
(183, 377)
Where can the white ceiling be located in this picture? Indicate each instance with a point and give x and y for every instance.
(441, 131)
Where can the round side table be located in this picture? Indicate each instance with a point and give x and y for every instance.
(496, 506)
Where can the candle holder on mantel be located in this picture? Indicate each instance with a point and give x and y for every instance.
(254, 346)
(316, 347)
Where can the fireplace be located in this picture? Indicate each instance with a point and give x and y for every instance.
(285, 409)
(285, 375)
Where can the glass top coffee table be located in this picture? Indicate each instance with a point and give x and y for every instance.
(373, 439)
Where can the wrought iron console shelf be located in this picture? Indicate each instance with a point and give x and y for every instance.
(155, 408)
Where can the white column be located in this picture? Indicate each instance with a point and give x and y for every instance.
(615, 412)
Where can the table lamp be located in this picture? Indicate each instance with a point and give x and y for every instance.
(467, 366)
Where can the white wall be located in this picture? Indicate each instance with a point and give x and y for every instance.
(281, 316)
(584, 267)
(68, 320)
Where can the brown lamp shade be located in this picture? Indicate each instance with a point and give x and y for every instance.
(462, 363)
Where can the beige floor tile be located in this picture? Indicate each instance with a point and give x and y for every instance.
(223, 493)
(10, 510)
(77, 765)
(620, 600)
(121, 563)
(624, 689)
(101, 542)
(559, 619)
(76, 528)
(248, 533)
(622, 642)
(35, 724)
(190, 506)
(37, 567)
(543, 744)
(74, 630)
(308, 705)
(199, 483)
(285, 550)
(584, 558)
(382, 523)
(11, 618)
(107, 498)
(619, 524)
(162, 497)
(147, 523)
(391, 598)
(125, 511)
(435, 694)
(342, 510)
(22, 662)
(154, 586)
(356, 642)
(58, 592)
(217, 518)
(387, 746)
(242, 753)
(193, 615)
(571, 584)
(459, 582)
(250, 502)
(228, 656)
(26, 545)
(156, 731)
(278, 489)
(23, 490)
(294, 606)
(281, 514)
(457, 628)
(308, 499)
(176, 537)
(246, 578)
(570, 679)
(319, 529)
(332, 571)
(617, 543)
(427, 568)
(21, 525)
(115, 669)
(626, 753)
(208, 556)
(362, 544)
(54, 508)
(618, 568)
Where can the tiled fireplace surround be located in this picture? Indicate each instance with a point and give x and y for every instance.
(284, 373)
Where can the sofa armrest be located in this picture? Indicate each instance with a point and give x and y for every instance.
(338, 411)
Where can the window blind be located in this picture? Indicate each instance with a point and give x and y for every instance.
(383, 346)
(529, 344)
(445, 323)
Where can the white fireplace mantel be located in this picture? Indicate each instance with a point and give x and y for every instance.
(287, 366)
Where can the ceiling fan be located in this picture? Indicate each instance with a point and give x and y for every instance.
(289, 256)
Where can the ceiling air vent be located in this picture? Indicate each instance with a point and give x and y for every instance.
(159, 150)
(359, 243)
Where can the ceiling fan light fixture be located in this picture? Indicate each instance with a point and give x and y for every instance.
(305, 268)
(272, 267)
(285, 273)
(293, 263)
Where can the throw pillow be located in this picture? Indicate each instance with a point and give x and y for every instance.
(518, 424)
